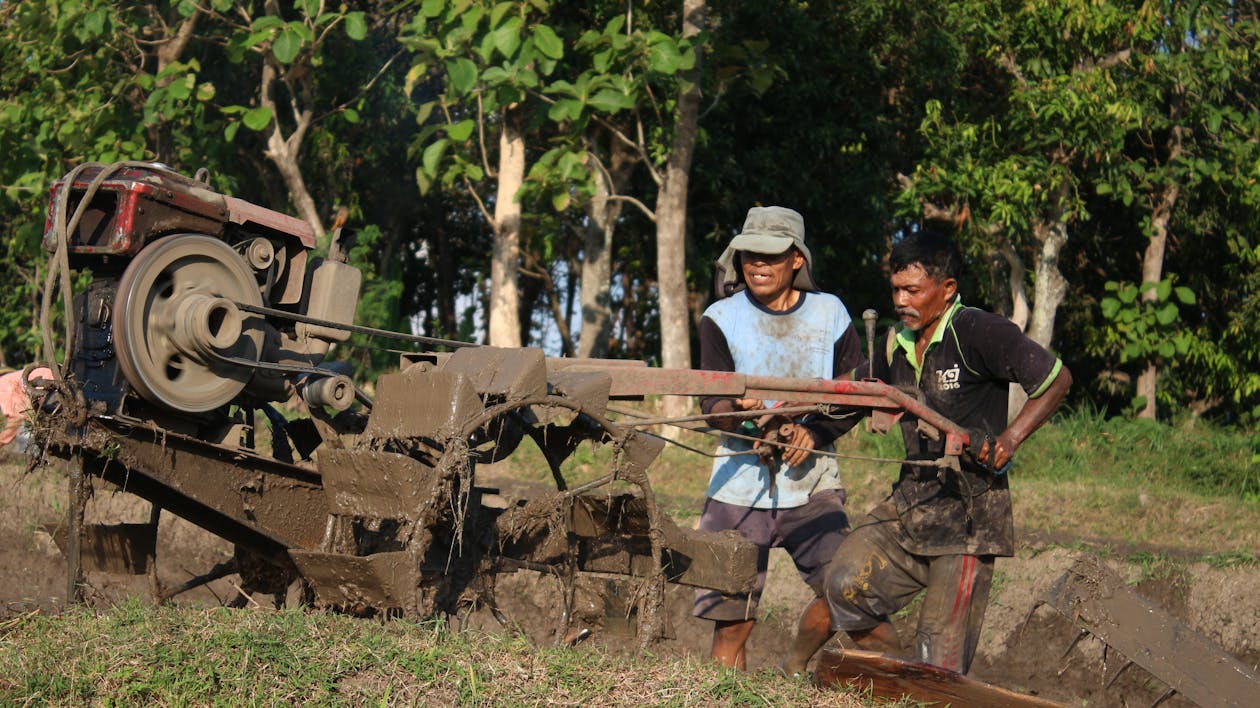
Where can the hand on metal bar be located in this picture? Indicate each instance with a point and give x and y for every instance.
(993, 453)
(778, 431)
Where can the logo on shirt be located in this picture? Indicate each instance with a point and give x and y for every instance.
(947, 379)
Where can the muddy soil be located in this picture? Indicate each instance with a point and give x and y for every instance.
(1023, 656)
(1219, 603)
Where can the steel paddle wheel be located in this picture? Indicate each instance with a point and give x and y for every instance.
(176, 323)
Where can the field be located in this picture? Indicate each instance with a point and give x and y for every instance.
(1174, 510)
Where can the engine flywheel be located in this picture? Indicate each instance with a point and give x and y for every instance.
(175, 319)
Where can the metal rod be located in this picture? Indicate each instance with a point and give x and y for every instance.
(679, 422)
(869, 316)
(1164, 696)
(817, 408)
(1126, 665)
(74, 566)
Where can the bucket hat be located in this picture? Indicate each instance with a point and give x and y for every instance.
(770, 230)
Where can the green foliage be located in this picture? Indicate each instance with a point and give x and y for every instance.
(489, 56)
(1118, 123)
(1145, 323)
(378, 301)
(298, 44)
(67, 96)
(1229, 356)
(493, 56)
(1017, 115)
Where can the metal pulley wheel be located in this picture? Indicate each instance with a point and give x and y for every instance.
(175, 318)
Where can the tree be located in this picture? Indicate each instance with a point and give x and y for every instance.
(71, 84)
(289, 48)
(1009, 161)
(1186, 82)
(611, 176)
(796, 118)
(671, 215)
(490, 56)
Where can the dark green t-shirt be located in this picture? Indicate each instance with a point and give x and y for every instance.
(967, 368)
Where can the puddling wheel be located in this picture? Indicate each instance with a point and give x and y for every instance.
(175, 319)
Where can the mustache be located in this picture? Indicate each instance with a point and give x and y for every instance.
(906, 311)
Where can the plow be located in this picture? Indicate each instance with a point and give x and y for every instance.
(198, 372)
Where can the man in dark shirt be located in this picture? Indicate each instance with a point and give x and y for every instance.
(941, 529)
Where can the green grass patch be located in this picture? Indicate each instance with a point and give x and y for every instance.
(1144, 454)
(1155, 566)
(1233, 559)
(180, 655)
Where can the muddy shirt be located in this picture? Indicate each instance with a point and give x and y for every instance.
(967, 368)
(813, 339)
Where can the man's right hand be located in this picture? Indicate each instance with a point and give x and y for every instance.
(730, 405)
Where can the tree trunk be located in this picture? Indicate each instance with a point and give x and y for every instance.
(505, 315)
(1015, 282)
(448, 325)
(1153, 272)
(596, 274)
(530, 290)
(573, 273)
(168, 52)
(1153, 268)
(284, 152)
(601, 223)
(1050, 286)
(671, 221)
(1008, 272)
(544, 284)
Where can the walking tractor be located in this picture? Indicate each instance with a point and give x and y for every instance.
(203, 311)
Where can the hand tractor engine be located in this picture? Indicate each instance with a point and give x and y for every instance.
(192, 295)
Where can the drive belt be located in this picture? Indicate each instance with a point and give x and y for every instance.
(359, 393)
(353, 329)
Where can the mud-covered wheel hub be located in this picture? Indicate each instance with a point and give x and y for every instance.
(175, 321)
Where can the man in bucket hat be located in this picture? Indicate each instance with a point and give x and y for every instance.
(771, 320)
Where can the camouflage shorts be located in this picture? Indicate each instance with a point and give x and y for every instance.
(871, 577)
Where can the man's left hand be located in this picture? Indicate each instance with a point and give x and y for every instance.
(1003, 449)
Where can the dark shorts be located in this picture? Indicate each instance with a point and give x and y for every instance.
(872, 576)
(810, 533)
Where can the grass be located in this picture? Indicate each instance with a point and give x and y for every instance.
(1141, 454)
(169, 655)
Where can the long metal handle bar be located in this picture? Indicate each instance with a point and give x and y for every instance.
(863, 394)
(637, 381)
